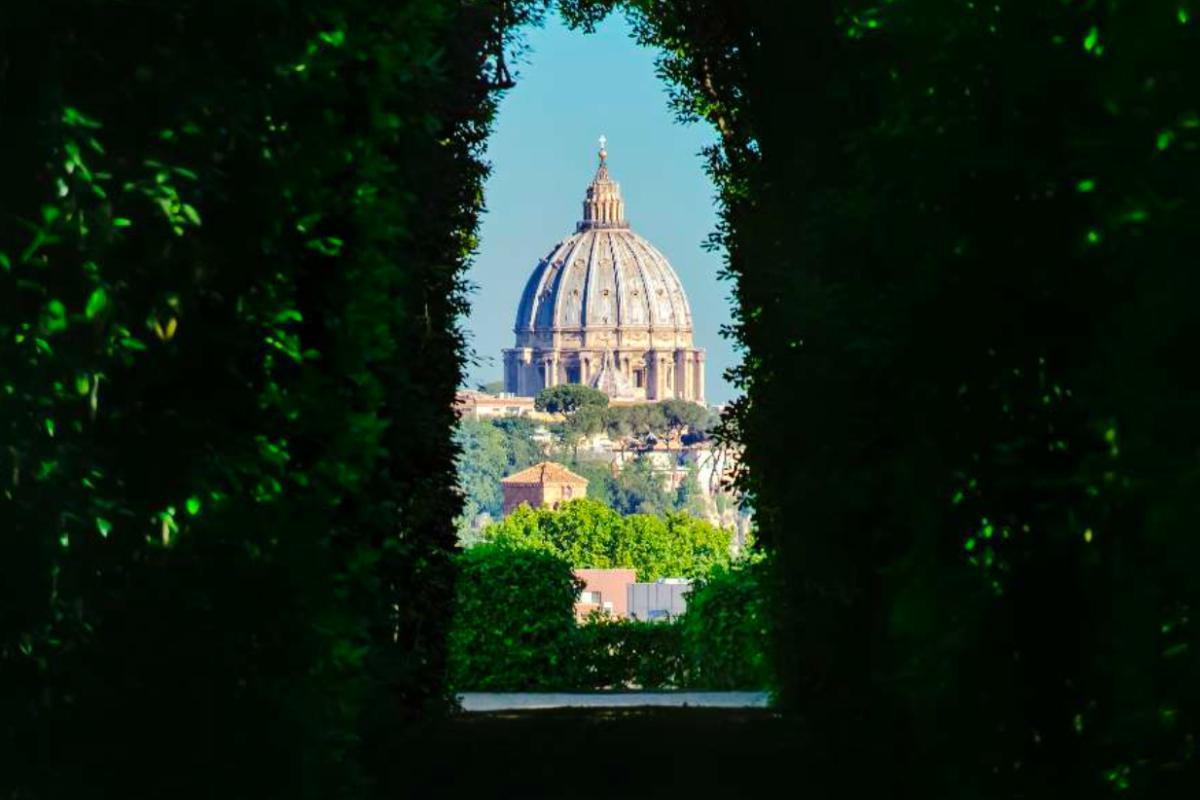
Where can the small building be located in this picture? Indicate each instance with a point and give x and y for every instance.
(544, 484)
(664, 600)
(604, 590)
(471, 404)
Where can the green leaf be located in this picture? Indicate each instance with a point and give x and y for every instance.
(327, 246)
(1091, 39)
(73, 117)
(97, 303)
(193, 505)
(334, 38)
(56, 316)
(121, 222)
(4, 262)
(103, 526)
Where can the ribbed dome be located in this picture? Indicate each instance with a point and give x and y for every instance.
(604, 276)
(605, 308)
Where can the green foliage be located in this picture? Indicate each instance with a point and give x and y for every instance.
(954, 236)
(611, 653)
(513, 619)
(500, 642)
(568, 398)
(233, 239)
(725, 630)
(586, 533)
(489, 450)
(689, 497)
(636, 420)
(638, 489)
(680, 416)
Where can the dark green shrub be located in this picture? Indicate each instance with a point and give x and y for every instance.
(724, 631)
(513, 620)
(609, 653)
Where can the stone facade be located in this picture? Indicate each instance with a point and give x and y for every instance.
(605, 293)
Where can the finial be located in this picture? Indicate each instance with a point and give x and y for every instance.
(603, 145)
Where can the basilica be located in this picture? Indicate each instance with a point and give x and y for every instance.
(605, 308)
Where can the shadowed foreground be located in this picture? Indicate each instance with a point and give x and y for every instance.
(609, 753)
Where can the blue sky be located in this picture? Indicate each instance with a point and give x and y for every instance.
(572, 87)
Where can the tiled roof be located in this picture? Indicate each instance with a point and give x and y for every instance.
(545, 472)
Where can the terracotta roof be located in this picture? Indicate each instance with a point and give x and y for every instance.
(545, 472)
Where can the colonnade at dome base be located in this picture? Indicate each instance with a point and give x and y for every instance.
(658, 374)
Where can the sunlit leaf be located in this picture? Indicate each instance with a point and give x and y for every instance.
(55, 318)
(75, 118)
(97, 303)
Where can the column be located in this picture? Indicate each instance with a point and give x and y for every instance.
(682, 384)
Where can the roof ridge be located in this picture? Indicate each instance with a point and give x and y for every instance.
(544, 472)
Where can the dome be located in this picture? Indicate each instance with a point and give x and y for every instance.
(605, 288)
(604, 276)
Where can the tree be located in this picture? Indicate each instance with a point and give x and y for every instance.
(583, 422)
(640, 489)
(689, 498)
(586, 533)
(954, 239)
(681, 416)
(726, 628)
(513, 620)
(520, 447)
(230, 293)
(568, 398)
(641, 419)
(489, 451)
